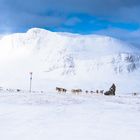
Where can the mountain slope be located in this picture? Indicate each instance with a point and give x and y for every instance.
(88, 61)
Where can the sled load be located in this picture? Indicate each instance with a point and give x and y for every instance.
(111, 90)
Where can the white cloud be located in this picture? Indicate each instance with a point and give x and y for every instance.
(72, 21)
(127, 35)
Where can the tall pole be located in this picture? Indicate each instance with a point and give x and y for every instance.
(30, 81)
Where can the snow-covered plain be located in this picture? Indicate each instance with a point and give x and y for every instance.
(53, 116)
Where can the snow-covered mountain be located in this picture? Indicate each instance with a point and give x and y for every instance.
(68, 60)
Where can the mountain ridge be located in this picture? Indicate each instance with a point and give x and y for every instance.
(66, 56)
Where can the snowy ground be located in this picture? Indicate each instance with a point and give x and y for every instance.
(51, 116)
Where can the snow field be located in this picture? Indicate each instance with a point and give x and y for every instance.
(53, 116)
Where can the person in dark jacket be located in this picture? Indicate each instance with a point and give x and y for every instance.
(113, 89)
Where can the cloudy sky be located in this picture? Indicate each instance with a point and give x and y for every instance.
(117, 18)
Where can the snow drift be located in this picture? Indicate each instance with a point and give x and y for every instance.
(68, 60)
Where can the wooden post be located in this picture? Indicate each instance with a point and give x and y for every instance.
(30, 81)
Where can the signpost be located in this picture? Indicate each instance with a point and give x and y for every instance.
(31, 73)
